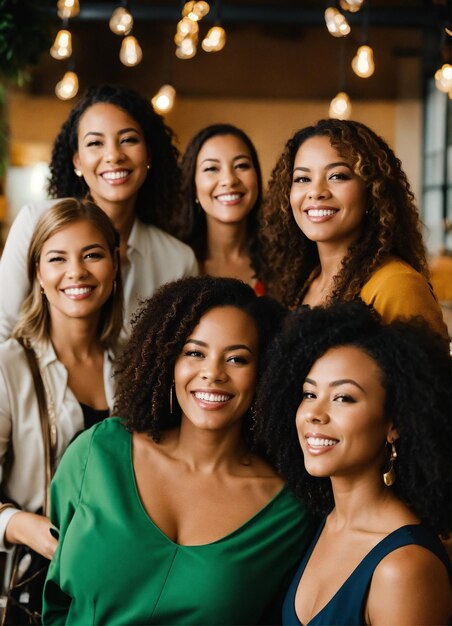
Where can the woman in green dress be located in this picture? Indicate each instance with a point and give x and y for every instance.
(166, 514)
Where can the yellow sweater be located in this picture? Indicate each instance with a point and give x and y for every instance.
(396, 290)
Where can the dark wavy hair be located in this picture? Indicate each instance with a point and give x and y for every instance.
(190, 224)
(157, 199)
(416, 373)
(161, 327)
(392, 225)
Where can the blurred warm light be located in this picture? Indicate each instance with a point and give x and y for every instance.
(187, 27)
(62, 46)
(351, 5)
(163, 101)
(443, 78)
(363, 63)
(121, 21)
(195, 11)
(186, 49)
(215, 39)
(130, 53)
(336, 22)
(67, 88)
(68, 8)
(340, 106)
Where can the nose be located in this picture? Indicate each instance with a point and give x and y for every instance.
(313, 413)
(318, 190)
(213, 371)
(114, 152)
(229, 177)
(76, 269)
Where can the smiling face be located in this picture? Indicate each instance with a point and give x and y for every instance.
(341, 422)
(225, 179)
(112, 156)
(215, 375)
(76, 272)
(328, 199)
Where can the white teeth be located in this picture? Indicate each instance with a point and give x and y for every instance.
(316, 441)
(229, 197)
(320, 212)
(211, 397)
(77, 291)
(115, 175)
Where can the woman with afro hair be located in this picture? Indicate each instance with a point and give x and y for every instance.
(116, 150)
(355, 415)
(166, 514)
(339, 222)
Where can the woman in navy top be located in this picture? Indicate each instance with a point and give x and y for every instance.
(373, 423)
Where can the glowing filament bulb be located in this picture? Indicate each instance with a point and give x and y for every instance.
(186, 49)
(443, 78)
(201, 9)
(215, 39)
(187, 27)
(67, 88)
(68, 8)
(62, 46)
(336, 23)
(340, 106)
(163, 101)
(351, 5)
(121, 21)
(363, 63)
(130, 53)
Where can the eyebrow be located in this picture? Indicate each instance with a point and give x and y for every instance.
(239, 156)
(337, 383)
(238, 346)
(120, 132)
(84, 249)
(328, 167)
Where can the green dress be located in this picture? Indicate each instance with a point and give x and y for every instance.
(114, 566)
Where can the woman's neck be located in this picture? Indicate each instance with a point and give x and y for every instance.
(77, 340)
(226, 241)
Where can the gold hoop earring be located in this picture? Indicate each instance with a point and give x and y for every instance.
(389, 477)
(171, 398)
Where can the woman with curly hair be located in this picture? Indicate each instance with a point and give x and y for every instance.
(221, 196)
(370, 404)
(340, 222)
(116, 150)
(166, 514)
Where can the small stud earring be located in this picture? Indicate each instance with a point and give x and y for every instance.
(148, 166)
(78, 172)
(42, 287)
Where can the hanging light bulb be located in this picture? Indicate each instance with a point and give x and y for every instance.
(62, 46)
(215, 39)
(195, 11)
(163, 101)
(340, 106)
(186, 49)
(443, 78)
(121, 21)
(187, 27)
(67, 87)
(68, 8)
(130, 53)
(336, 23)
(351, 5)
(363, 63)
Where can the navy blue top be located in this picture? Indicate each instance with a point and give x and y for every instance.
(347, 605)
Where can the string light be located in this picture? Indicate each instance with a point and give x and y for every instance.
(195, 11)
(67, 87)
(363, 63)
(443, 78)
(68, 8)
(336, 23)
(186, 49)
(215, 39)
(351, 5)
(121, 21)
(62, 46)
(130, 53)
(163, 101)
(340, 106)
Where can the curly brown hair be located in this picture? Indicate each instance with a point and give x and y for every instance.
(190, 223)
(145, 370)
(158, 197)
(392, 224)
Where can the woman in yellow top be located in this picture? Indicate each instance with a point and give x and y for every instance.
(340, 222)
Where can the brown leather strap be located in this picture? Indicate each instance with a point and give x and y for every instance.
(49, 450)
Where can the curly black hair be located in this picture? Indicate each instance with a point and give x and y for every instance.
(161, 326)
(392, 226)
(416, 371)
(190, 223)
(158, 196)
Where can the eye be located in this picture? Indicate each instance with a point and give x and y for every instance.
(308, 395)
(55, 259)
(196, 354)
(210, 168)
(94, 255)
(238, 360)
(243, 165)
(340, 176)
(130, 139)
(93, 143)
(301, 179)
(344, 397)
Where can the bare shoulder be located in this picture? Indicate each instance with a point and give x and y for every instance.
(409, 586)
